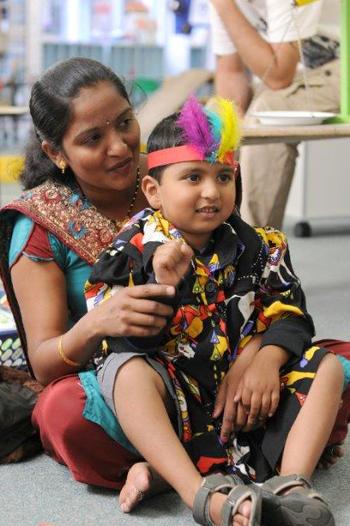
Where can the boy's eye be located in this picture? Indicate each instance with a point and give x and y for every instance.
(193, 178)
(225, 177)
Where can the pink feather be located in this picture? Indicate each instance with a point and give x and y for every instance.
(196, 128)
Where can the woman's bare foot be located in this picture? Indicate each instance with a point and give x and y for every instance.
(240, 519)
(142, 482)
(330, 456)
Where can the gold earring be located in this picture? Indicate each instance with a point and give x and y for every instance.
(62, 166)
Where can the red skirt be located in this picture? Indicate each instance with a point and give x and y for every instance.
(91, 455)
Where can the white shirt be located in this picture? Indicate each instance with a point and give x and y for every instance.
(275, 20)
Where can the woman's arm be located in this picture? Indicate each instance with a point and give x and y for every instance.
(44, 309)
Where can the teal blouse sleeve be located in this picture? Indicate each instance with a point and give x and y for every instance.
(75, 269)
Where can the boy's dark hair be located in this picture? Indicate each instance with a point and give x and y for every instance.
(50, 108)
(166, 134)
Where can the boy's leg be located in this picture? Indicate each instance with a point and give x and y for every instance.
(312, 427)
(340, 429)
(140, 399)
(334, 450)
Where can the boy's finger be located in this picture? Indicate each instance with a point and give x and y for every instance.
(254, 411)
(238, 395)
(228, 421)
(241, 418)
(246, 396)
(275, 398)
(186, 250)
(265, 406)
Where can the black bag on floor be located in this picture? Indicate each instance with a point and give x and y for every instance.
(18, 395)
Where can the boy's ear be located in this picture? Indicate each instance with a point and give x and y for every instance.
(150, 188)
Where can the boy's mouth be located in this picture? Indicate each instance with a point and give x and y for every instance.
(208, 210)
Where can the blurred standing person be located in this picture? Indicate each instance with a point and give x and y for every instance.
(264, 39)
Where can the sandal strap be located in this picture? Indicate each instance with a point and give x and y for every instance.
(235, 479)
(279, 483)
(216, 482)
(310, 493)
(238, 495)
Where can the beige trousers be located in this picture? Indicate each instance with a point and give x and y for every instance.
(267, 169)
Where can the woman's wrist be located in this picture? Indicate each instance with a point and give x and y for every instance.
(90, 326)
(86, 336)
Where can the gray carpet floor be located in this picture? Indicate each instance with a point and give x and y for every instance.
(40, 490)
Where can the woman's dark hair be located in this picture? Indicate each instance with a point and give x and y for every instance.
(50, 108)
(167, 135)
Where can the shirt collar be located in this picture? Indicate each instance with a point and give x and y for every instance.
(224, 244)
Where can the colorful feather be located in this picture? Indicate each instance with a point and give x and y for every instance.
(196, 127)
(214, 130)
(215, 126)
(229, 126)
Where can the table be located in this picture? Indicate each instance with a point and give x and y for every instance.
(259, 134)
(15, 113)
(6, 111)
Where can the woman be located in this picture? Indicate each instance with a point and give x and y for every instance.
(82, 174)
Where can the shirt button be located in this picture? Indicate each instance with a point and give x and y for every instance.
(210, 287)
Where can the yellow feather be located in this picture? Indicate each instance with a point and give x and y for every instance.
(231, 129)
(300, 3)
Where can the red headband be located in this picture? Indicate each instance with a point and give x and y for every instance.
(179, 154)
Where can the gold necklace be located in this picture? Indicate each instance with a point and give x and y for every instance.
(119, 224)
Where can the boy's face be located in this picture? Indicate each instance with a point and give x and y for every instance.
(196, 197)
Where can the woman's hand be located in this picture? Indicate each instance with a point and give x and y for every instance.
(132, 312)
(171, 261)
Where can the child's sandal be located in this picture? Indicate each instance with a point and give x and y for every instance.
(297, 508)
(236, 493)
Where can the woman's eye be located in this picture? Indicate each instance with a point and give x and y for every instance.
(92, 139)
(125, 123)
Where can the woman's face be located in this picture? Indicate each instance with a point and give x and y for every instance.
(101, 144)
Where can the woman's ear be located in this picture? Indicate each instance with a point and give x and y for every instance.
(55, 156)
(150, 188)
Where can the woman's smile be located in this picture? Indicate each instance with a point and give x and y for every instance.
(122, 168)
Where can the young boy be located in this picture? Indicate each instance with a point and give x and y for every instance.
(233, 384)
